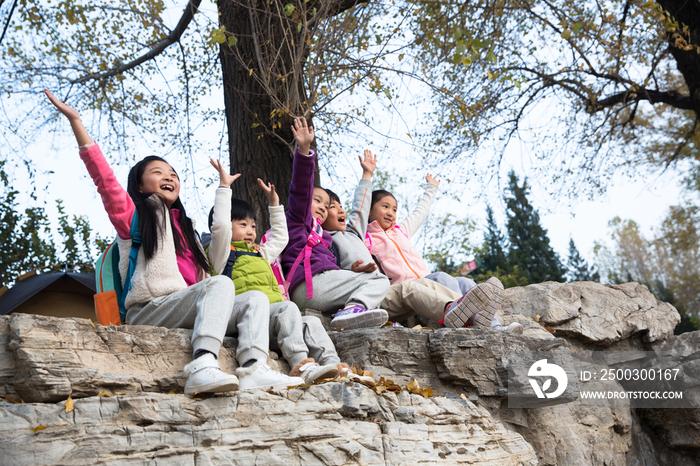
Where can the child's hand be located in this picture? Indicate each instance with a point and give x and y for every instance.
(269, 189)
(225, 180)
(369, 164)
(431, 179)
(67, 110)
(357, 267)
(303, 134)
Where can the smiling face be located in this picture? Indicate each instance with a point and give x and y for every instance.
(336, 218)
(319, 204)
(160, 178)
(243, 230)
(384, 212)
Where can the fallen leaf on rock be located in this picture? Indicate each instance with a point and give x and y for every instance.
(12, 399)
(388, 323)
(38, 428)
(93, 324)
(70, 406)
(101, 394)
(464, 397)
(413, 385)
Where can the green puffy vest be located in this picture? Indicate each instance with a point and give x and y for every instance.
(253, 272)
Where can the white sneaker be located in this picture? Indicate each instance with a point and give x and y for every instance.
(514, 327)
(205, 376)
(262, 376)
(312, 371)
(358, 317)
(347, 372)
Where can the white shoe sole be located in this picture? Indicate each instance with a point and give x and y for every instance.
(478, 300)
(276, 386)
(328, 373)
(368, 318)
(226, 385)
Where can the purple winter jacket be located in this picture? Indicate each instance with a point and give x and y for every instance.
(300, 221)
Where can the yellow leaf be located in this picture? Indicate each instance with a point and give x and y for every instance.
(38, 428)
(417, 327)
(93, 324)
(250, 72)
(13, 400)
(101, 394)
(464, 397)
(413, 385)
(70, 406)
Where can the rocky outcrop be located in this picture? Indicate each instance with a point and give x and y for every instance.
(126, 386)
(594, 313)
(328, 424)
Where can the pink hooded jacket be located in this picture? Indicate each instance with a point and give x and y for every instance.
(393, 249)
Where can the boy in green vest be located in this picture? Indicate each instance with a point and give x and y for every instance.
(233, 252)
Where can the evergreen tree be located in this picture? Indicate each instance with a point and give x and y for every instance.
(493, 255)
(529, 245)
(578, 267)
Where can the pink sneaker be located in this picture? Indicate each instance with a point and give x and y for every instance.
(475, 302)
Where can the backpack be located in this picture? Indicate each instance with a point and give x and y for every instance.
(110, 297)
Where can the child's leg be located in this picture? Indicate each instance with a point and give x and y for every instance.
(250, 319)
(459, 285)
(424, 297)
(204, 307)
(338, 289)
(320, 346)
(286, 328)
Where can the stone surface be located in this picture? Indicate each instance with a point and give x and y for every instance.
(594, 313)
(45, 360)
(328, 424)
(50, 359)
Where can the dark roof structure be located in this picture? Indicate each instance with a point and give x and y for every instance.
(30, 286)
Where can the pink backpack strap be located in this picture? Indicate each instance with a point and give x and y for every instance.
(402, 232)
(277, 269)
(368, 242)
(314, 239)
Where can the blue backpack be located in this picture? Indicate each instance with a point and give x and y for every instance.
(110, 297)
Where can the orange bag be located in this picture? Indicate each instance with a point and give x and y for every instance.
(107, 308)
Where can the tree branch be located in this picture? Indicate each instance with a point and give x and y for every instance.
(672, 98)
(157, 49)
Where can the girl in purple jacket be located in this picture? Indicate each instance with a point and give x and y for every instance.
(314, 278)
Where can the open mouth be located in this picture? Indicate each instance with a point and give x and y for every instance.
(167, 187)
(341, 219)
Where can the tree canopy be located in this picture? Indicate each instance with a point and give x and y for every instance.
(619, 79)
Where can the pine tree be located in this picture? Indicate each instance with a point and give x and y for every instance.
(529, 245)
(493, 255)
(578, 267)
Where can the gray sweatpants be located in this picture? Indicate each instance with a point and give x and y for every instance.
(299, 337)
(212, 310)
(338, 289)
(460, 285)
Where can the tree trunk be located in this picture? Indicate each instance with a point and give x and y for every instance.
(688, 62)
(252, 152)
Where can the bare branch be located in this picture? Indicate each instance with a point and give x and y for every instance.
(157, 49)
(672, 98)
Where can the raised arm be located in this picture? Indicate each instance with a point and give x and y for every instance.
(412, 223)
(302, 186)
(358, 218)
(221, 225)
(278, 223)
(119, 206)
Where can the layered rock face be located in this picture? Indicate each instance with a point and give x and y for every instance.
(147, 419)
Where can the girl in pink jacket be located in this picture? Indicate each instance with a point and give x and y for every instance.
(390, 244)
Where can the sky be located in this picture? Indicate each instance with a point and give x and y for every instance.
(61, 175)
(584, 220)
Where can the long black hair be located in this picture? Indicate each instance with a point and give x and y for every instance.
(148, 221)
